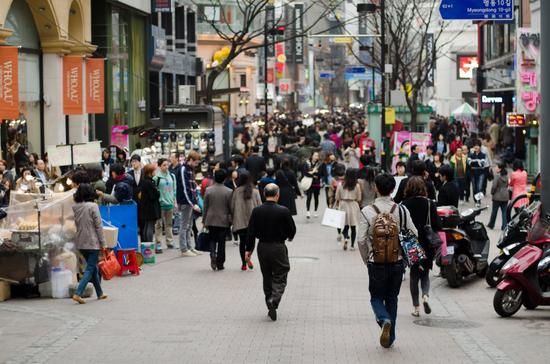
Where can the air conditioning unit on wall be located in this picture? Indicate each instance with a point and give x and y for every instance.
(187, 94)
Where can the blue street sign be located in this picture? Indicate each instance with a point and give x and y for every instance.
(327, 74)
(356, 69)
(495, 10)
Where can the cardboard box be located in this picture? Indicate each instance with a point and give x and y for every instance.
(5, 291)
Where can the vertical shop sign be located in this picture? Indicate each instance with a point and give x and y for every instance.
(270, 75)
(298, 30)
(430, 59)
(72, 85)
(270, 23)
(95, 86)
(528, 77)
(118, 137)
(9, 83)
(280, 58)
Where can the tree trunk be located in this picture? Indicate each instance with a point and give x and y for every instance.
(209, 92)
(414, 110)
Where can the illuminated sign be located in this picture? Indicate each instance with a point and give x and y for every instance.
(514, 120)
(491, 99)
(466, 65)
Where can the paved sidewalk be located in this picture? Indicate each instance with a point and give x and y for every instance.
(180, 311)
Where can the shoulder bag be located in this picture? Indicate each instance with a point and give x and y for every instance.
(412, 250)
(432, 236)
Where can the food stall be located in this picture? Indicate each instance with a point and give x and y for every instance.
(36, 237)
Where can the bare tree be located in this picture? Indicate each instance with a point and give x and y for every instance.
(248, 32)
(413, 42)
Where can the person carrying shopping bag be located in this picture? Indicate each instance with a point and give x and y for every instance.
(348, 198)
(89, 239)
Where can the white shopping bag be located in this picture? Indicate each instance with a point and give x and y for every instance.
(334, 218)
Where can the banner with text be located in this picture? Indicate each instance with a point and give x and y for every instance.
(95, 86)
(72, 85)
(9, 83)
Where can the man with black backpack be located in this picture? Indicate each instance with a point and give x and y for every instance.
(380, 248)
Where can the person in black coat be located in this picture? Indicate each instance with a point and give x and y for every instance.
(291, 177)
(448, 193)
(255, 164)
(423, 212)
(418, 169)
(287, 196)
(148, 204)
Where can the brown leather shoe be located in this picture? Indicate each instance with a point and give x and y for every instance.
(102, 297)
(78, 299)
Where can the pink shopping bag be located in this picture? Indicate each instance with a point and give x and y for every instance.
(443, 238)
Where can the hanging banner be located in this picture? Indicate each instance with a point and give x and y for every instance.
(298, 41)
(430, 59)
(281, 59)
(95, 86)
(270, 21)
(118, 137)
(9, 83)
(72, 85)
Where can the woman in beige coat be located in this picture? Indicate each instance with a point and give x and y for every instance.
(245, 198)
(348, 198)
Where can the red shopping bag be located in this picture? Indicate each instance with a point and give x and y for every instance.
(109, 266)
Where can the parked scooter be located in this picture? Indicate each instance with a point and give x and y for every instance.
(526, 276)
(467, 245)
(512, 239)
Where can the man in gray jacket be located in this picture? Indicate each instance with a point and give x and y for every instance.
(217, 218)
(384, 278)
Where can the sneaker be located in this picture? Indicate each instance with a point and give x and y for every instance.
(385, 334)
(196, 252)
(244, 267)
(316, 214)
(188, 253)
(213, 264)
(158, 249)
(170, 246)
(78, 299)
(102, 297)
(426, 304)
(352, 248)
(250, 265)
(272, 313)
(415, 312)
(308, 215)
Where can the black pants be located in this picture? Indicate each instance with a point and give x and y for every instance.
(461, 183)
(147, 231)
(217, 244)
(243, 236)
(353, 233)
(313, 192)
(275, 266)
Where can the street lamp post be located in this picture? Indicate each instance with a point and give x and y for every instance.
(364, 8)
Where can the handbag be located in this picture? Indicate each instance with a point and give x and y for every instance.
(334, 218)
(433, 237)
(305, 183)
(413, 252)
(109, 266)
(203, 241)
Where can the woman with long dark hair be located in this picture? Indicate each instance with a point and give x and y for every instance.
(311, 170)
(366, 182)
(149, 205)
(423, 211)
(287, 196)
(499, 190)
(89, 238)
(348, 198)
(245, 198)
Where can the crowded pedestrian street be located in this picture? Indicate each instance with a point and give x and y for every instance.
(272, 181)
(179, 310)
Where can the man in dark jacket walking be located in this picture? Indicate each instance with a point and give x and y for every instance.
(217, 218)
(272, 225)
(255, 164)
(186, 195)
(477, 161)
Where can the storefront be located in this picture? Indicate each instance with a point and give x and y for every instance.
(44, 32)
(121, 33)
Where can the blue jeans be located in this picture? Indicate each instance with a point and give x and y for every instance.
(384, 286)
(478, 182)
(502, 205)
(91, 273)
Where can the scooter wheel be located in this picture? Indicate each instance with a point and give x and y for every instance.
(508, 301)
(454, 278)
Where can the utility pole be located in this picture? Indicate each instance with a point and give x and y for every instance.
(383, 161)
(544, 133)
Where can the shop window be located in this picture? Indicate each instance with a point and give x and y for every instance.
(243, 80)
